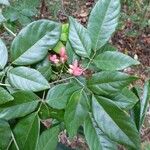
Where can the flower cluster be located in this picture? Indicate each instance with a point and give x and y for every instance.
(74, 69)
(62, 58)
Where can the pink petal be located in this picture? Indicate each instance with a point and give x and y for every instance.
(75, 69)
(78, 71)
(54, 59)
(62, 51)
(63, 58)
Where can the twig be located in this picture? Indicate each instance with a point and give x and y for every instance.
(8, 30)
(1, 84)
(41, 102)
(14, 141)
(61, 71)
(9, 144)
(62, 80)
(91, 59)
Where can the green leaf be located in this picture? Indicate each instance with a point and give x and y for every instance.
(3, 55)
(23, 104)
(32, 43)
(95, 138)
(47, 112)
(59, 95)
(110, 60)
(27, 79)
(5, 96)
(58, 47)
(145, 101)
(26, 132)
(135, 111)
(48, 139)
(76, 112)
(103, 21)
(10, 13)
(21, 11)
(10, 88)
(72, 56)
(65, 32)
(5, 134)
(125, 99)
(5, 2)
(135, 114)
(107, 47)
(2, 73)
(114, 122)
(44, 67)
(107, 82)
(79, 38)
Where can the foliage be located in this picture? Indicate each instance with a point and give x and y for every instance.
(70, 74)
(21, 11)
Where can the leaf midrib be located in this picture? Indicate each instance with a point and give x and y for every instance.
(109, 82)
(34, 42)
(75, 24)
(101, 27)
(115, 123)
(39, 83)
(29, 130)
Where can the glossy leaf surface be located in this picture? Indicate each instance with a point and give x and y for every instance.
(59, 95)
(32, 43)
(27, 79)
(114, 122)
(95, 138)
(108, 82)
(76, 112)
(5, 96)
(79, 38)
(3, 55)
(103, 21)
(23, 104)
(110, 60)
(26, 132)
(48, 139)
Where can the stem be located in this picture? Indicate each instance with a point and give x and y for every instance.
(1, 84)
(61, 71)
(43, 97)
(41, 102)
(8, 30)
(9, 144)
(79, 82)
(91, 59)
(14, 141)
(61, 80)
(83, 85)
(5, 72)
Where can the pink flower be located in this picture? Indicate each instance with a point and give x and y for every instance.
(63, 55)
(54, 59)
(75, 69)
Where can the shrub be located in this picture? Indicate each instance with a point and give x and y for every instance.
(72, 75)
